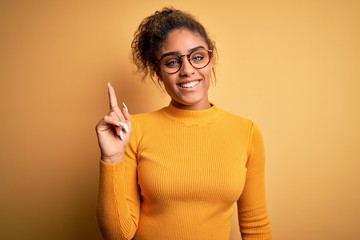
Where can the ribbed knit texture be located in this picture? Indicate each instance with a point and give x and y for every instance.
(181, 175)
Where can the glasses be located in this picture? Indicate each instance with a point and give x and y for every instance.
(171, 63)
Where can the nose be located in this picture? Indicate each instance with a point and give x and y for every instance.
(186, 68)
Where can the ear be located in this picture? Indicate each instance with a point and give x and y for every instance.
(159, 75)
(211, 64)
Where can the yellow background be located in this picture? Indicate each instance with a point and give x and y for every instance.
(291, 66)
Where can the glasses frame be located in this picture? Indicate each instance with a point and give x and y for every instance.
(187, 57)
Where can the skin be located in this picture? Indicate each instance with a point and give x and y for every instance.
(183, 41)
(112, 147)
(114, 129)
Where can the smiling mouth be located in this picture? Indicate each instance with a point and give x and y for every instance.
(189, 84)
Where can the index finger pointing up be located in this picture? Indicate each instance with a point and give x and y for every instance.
(112, 97)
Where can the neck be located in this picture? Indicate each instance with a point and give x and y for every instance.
(194, 107)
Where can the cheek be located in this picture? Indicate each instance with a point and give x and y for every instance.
(168, 83)
(169, 79)
(206, 73)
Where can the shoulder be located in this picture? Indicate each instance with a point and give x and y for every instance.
(248, 130)
(243, 124)
(148, 119)
(232, 118)
(143, 122)
(141, 117)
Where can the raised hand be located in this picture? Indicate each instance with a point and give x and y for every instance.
(113, 130)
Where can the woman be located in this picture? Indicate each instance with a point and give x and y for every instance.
(175, 173)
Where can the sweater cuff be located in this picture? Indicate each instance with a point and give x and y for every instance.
(110, 171)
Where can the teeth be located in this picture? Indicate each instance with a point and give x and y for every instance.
(189, 85)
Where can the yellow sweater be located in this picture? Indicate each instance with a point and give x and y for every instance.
(182, 173)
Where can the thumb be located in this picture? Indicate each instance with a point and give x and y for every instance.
(125, 112)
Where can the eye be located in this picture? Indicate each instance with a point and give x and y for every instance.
(197, 56)
(171, 61)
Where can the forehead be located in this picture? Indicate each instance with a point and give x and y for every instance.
(182, 40)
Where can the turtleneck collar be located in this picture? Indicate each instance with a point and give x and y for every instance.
(194, 117)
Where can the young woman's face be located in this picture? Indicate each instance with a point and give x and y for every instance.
(188, 87)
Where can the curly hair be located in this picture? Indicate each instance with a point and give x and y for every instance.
(152, 33)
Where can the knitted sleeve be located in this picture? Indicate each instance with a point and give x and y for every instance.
(118, 205)
(253, 218)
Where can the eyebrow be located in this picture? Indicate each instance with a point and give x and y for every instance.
(178, 53)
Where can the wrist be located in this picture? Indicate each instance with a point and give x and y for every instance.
(112, 159)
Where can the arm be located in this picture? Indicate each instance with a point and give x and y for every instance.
(253, 218)
(118, 200)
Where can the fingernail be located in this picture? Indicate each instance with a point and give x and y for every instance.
(125, 107)
(109, 84)
(121, 135)
(125, 126)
